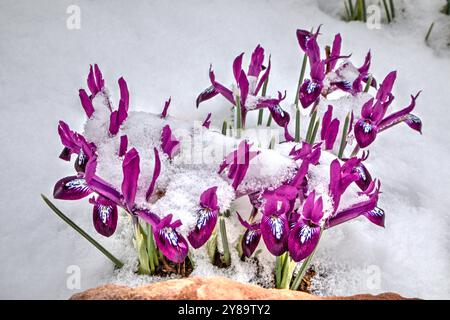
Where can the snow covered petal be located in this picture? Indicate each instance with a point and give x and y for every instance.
(206, 94)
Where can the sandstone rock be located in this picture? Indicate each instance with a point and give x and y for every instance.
(216, 288)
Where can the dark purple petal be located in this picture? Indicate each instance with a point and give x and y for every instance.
(386, 87)
(130, 167)
(207, 121)
(275, 232)
(335, 51)
(71, 188)
(403, 116)
(156, 172)
(326, 119)
(65, 154)
(250, 241)
(206, 222)
(225, 92)
(123, 145)
(303, 239)
(206, 94)
(166, 108)
(309, 92)
(169, 143)
(114, 122)
(364, 69)
(124, 95)
(364, 176)
(263, 78)
(68, 137)
(100, 83)
(104, 215)
(86, 103)
(243, 87)
(172, 244)
(237, 67)
(92, 85)
(376, 216)
(352, 212)
(365, 132)
(256, 62)
(148, 216)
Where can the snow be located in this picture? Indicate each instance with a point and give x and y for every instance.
(164, 52)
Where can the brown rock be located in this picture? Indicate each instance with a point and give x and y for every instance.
(216, 288)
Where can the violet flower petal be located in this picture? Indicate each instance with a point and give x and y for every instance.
(130, 167)
(275, 232)
(166, 108)
(376, 216)
(71, 188)
(123, 145)
(256, 62)
(169, 143)
(86, 103)
(303, 239)
(206, 94)
(207, 121)
(365, 132)
(104, 216)
(156, 172)
(172, 244)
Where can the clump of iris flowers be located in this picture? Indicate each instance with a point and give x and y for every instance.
(288, 215)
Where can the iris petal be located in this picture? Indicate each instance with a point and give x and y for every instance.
(71, 188)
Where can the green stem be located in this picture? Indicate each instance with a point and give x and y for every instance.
(368, 84)
(261, 111)
(347, 11)
(304, 266)
(150, 249)
(287, 270)
(226, 248)
(344, 137)
(350, 6)
(269, 120)
(355, 151)
(429, 32)
(314, 132)
(117, 262)
(363, 8)
(391, 5)
(297, 112)
(312, 122)
(278, 270)
(388, 16)
(224, 128)
(238, 117)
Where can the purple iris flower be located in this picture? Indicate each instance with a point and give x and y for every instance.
(307, 152)
(118, 116)
(311, 89)
(275, 223)
(368, 208)
(238, 163)
(341, 177)
(305, 234)
(171, 243)
(166, 108)
(330, 128)
(249, 84)
(206, 218)
(373, 120)
(169, 143)
(251, 237)
(95, 84)
(365, 177)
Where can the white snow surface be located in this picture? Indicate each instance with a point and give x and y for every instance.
(164, 49)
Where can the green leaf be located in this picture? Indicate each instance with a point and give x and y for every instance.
(211, 246)
(117, 262)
